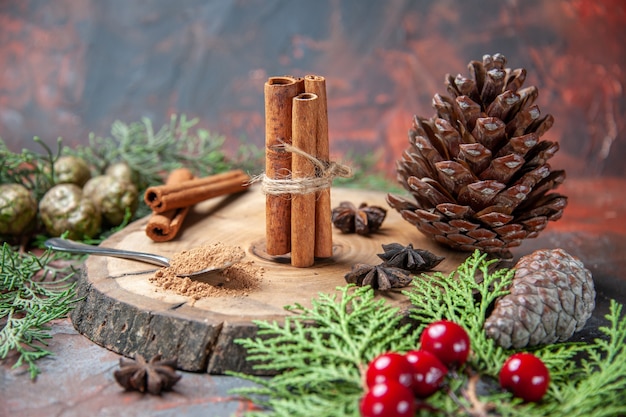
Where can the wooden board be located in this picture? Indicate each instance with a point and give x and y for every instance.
(124, 312)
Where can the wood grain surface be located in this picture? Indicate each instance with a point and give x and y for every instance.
(125, 313)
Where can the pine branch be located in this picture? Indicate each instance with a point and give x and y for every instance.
(153, 153)
(320, 351)
(28, 301)
(600, 385)
(438, 297)
(319, 354)
(32, 170)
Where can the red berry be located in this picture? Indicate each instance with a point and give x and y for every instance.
(448, 341)
(389, 366)
(390, 399)
(428, 372)
(526, 376)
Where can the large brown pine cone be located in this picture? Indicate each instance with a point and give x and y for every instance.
(551, 297)
(478, 170)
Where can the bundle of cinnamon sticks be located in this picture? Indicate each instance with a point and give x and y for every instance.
(296, 117)
(170, 202)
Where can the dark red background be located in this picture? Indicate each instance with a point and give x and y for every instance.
(70, 67)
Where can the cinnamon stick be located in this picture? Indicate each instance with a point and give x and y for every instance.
(304, 125)
(299, 83)
(279, 93)
(163, 227)
(166, 197)
(323, 213)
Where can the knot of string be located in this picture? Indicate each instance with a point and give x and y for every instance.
(325, 173)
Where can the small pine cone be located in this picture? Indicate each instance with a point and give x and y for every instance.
(551, 297)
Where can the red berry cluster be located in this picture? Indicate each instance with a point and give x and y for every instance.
(395, 380)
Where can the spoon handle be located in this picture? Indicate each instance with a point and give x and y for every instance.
(65, 245)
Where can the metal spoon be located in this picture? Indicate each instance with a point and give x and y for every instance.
(71, 246)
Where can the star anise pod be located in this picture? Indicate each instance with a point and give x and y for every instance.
(380, 277)
(362, 220)
(154, 376)
(408, 258)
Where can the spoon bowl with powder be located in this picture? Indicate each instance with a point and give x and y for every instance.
(207, 265)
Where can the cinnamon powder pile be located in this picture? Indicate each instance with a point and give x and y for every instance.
(236, 280)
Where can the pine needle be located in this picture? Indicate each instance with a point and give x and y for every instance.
(153, 153)
(598, 386)
(320, 353)
(29, 299)
(450, 297)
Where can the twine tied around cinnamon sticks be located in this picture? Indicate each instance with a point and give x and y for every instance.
(322, 179)
(297, 164)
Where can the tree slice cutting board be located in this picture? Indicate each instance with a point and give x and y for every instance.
(126, 313)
